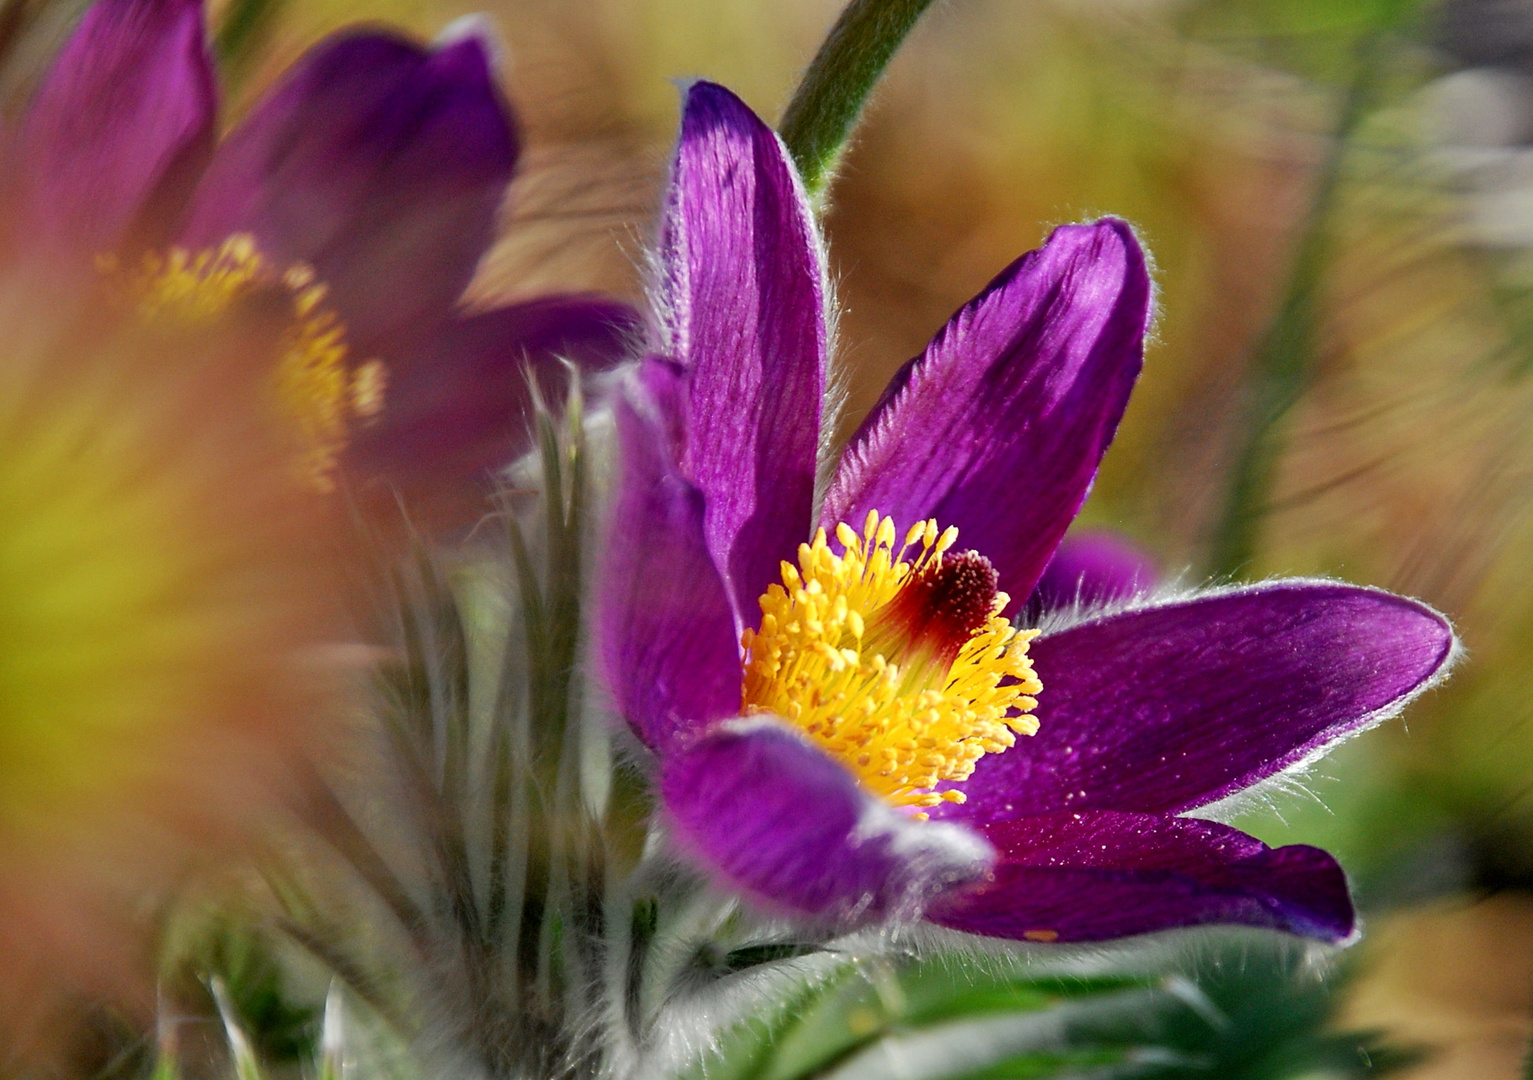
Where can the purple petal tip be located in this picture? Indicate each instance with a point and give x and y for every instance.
(999, 426)
(1095, 876)
(1177, 705)
(379, 163)
(741, 303)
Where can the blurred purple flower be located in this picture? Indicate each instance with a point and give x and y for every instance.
(376, 165)
(1092, 568)
(794, 732)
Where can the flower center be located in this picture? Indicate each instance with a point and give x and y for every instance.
(319, 394)
(896, 661)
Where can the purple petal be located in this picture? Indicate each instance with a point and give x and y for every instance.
(119, 129)
(783, 822)
(460, 407)
(667, 634)
(999, 426)
(1094, 568)
(1096, 876)
(380, 163)
(743, 312)
(1172, 707)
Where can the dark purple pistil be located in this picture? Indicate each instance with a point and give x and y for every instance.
(943, 605)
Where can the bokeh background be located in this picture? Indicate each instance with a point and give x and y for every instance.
(1339, 198)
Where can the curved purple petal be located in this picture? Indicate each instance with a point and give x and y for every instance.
(742, 309)
(1093, 568)
(119, 129)
(460, 406)
(666, 633)
(1095, 876)
(1172, 707)
(999, 426)
(783, 822)
(380, 163)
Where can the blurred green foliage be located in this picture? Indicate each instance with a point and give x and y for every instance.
(244, 959)
(1315, 39)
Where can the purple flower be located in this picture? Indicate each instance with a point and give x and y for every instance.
(370, 177)
(841, 719)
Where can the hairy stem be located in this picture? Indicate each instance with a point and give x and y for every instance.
(825, 108)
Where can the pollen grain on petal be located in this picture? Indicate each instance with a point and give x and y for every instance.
(896, 660)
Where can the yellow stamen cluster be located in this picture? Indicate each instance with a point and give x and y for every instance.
(316, 390)
(828, 658)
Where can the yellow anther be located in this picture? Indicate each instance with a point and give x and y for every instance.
(369, 383)
(299, 277)
(904, 718)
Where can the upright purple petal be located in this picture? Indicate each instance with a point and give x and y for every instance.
(999, 426)
(1172, 707)
(1093, 568)
(666, 632)
(742, 301)
(380, 163)
(781, 821)
(459, 407)
(1096, 876)
(120, 127)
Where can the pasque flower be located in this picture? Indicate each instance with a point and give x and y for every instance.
(846, 723)
(365, 185)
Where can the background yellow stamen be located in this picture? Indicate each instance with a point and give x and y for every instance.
(317, 392)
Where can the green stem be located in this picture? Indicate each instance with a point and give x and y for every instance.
(826, 105)
(245, 28)
(1282, 362)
